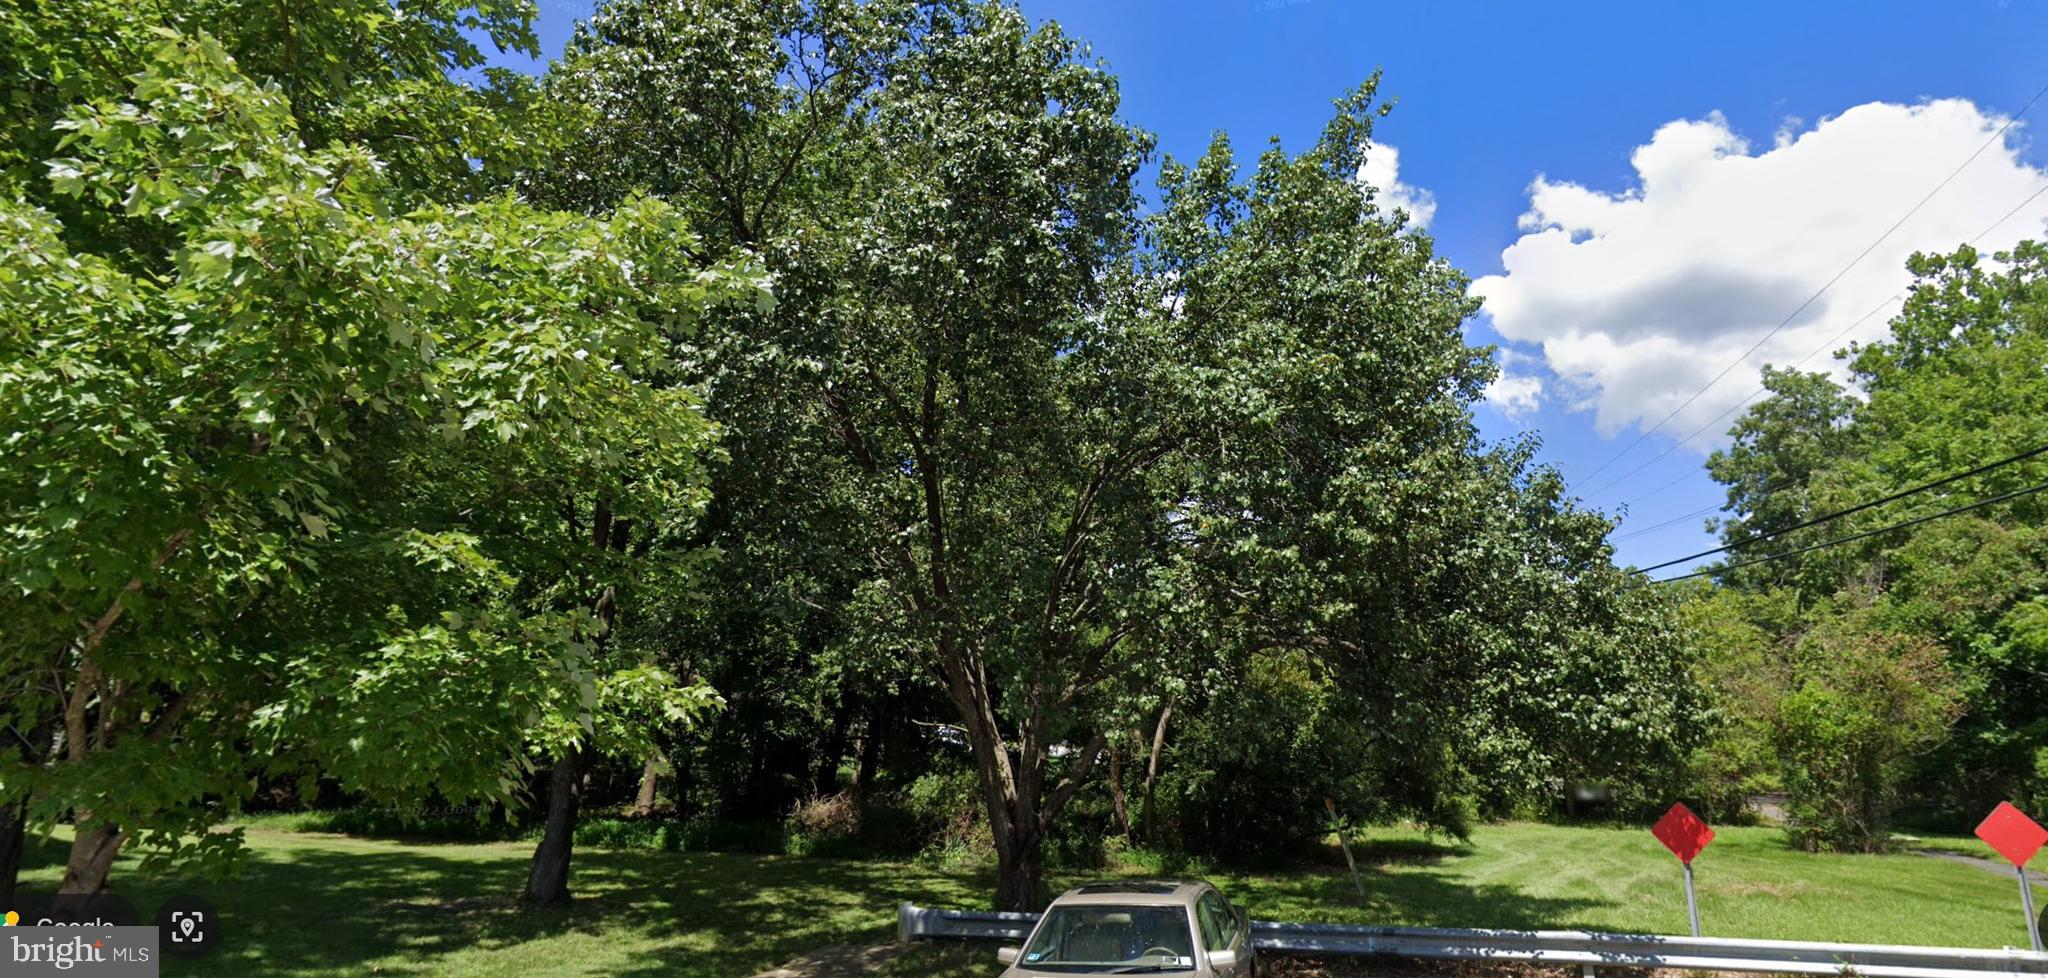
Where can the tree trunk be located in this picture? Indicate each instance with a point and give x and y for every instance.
(1116, 792)
(681, 768)
(827, 780)
(92, 857)
(650, 777)
(13, 840)
(1152, 767)
(877, 727)
(1020, 872)
(547, 880)
(547, 883)
(1020, 806)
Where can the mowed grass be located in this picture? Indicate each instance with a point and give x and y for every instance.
(327, 905)
(1751, 884)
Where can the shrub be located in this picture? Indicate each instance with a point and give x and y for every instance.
(422, 822)
(846, 826)
(1867, 702)
(826, 817)
(945, 807)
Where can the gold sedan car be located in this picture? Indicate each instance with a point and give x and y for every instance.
(1137, 927)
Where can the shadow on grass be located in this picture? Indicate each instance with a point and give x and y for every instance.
(1407, 881)
(1409, 899)
(1427, 852)
(310, 905)
(321, 905)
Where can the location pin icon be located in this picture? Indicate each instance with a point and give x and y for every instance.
(185, 924)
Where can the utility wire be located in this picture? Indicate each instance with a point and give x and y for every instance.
(1860, 507)
(1696, 432)
(1852, 538)
(1674, 521)
(1865, 253)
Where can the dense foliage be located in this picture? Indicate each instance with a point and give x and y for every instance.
(1906, 668)
(288, 458)
(380, 435)
(1074, 464)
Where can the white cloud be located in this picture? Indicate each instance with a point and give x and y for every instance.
(1639, 298)
(1382, 170)
(1518, 391)
(1516, 395)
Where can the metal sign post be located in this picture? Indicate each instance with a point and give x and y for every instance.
(1692, 901)
(1685, 834)
(2017, 838)
(2027, 905)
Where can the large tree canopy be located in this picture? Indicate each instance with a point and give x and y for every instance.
(288, 462)
(1064, 455)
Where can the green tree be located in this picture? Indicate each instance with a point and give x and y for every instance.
(1781, 448)
(1863, 703)
(360, 72)
(1744, 671)
(1067, 455)
(187, 437)
(1956, 384)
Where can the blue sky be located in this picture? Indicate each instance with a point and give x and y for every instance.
(1653, 277)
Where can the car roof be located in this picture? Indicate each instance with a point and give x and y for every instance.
(1139, 892)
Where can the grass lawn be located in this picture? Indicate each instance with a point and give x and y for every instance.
(1621, 879)
(327, 905)
(321, 905)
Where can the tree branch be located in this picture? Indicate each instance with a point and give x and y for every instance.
(1077, 774)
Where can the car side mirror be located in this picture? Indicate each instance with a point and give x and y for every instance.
(1225, 958)
(1008, 955)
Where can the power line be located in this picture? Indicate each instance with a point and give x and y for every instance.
(1860, 507)
(1696, 432)
(1838, 514)
(1775, 330)
(2008, 214)
(1852, 538)
(1674, 521)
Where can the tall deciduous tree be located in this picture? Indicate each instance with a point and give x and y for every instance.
(1073, 455)
(189, 438)
(1780, 445)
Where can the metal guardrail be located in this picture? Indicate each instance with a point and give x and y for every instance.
(914, 922)
(1588, 949)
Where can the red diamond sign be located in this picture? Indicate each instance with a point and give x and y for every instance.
(2012, 833)
(1682, 832)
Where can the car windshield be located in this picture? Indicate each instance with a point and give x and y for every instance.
(1110, 939)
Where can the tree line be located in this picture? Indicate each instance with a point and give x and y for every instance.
(1903, 674)
(769, 401)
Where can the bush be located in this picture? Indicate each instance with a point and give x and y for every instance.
(454, 824)
(848, 827)
(945, 807)
(1868, 702)
(826, 817)
(674, 835)
(828, 825)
